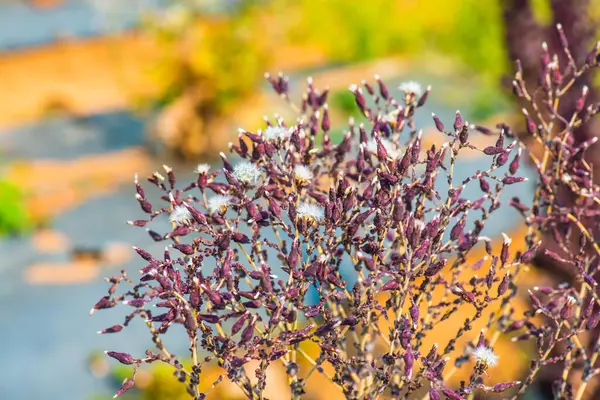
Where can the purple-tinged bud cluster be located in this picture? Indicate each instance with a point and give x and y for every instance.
(299, 239)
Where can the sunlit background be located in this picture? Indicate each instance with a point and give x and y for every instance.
(93, 91)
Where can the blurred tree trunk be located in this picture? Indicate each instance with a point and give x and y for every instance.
(524, 36)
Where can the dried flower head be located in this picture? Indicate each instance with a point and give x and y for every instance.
(389, 147)
(202, 169)
(303, 174)
(310, 211)
(486, 356)
(411, 87)
(218, 203)
(276, 133)
(246, 172)
(181, 216)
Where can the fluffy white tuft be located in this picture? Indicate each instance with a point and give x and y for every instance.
(388, 145)
(218, 203)
(181, 216)
(310, 211)
(202, 169)
(303, 172)
(276, 132)
(411, 87)
(486, 356)
(246, 172)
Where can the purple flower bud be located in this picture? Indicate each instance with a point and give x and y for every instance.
(139, 222)
(434, 394)
(451, 394)
(501, 387)
(240, 238)
(144, 254)
(127, 384)
(592, 322)
(197, 215)
(409, 360)
(103, 303)
(502, 158)
(483, 185)
(563, 38)
(146, 207)
(382, 88)
(237, 326)
(566, 311)
(457, 229)
(123, 358)
(184, 248)
(438, 123)
(381, 151)
(155, 236)
(463, 136)
(422, 250)
(135, 302)
(589, 309)
(390, 285)
(210, 318)
(248, 332)
(531, 127)
(292, 258)
(509, 180)
(458, 122)
(514, 165)
(493, 150)
(503, 286)
(434, 268)
(423, 98)
(112, 329)
(537, 304)
(504, 253)
(416, 148)
(590, 59)
(414, 314)
(515, 326)
(359, 98)
(325, 123)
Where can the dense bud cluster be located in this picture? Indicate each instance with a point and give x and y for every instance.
(360, 248)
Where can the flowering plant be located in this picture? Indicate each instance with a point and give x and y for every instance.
(257, 258)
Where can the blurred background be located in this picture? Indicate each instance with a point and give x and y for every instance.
(93, 91)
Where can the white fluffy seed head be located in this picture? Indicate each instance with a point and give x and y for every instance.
(303, 173)
(218, 203)
(310, 211)
(246, 172)
(181, 216)
(276, 132)
(411, 87)
(202, 169)
(486, 356)
(388, 145)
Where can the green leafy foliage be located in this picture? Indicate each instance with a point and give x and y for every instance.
(14, 218)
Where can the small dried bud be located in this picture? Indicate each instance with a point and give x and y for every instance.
(504, 284)
(458, 122)
(438, 123)
(127, 384)
(123, 358)
(567, 310)
(509, 180)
